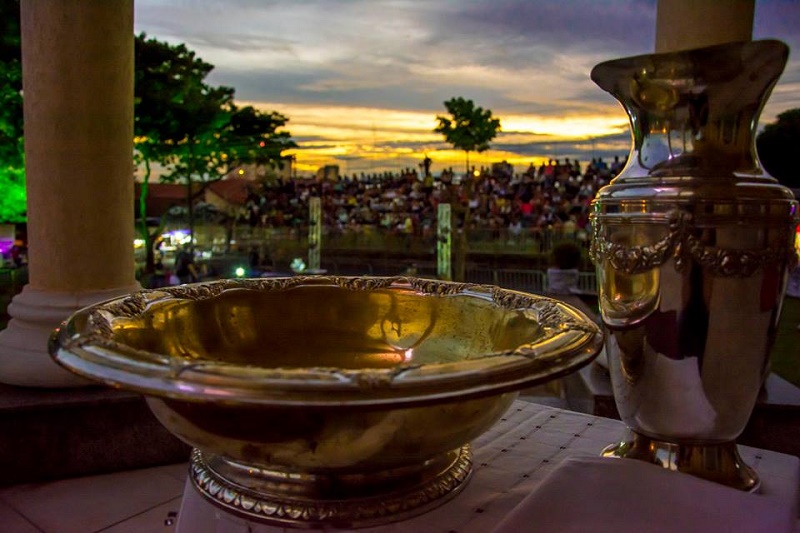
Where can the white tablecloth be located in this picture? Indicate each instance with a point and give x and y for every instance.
(511, 461)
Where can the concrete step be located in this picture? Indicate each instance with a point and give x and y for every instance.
(54, 434)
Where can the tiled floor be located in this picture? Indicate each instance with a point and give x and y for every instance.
(136, 501)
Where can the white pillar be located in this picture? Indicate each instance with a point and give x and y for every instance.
(444, 240)
(687, 24)
(314, 233)
(78, 108)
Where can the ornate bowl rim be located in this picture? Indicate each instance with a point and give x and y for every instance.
(83, 345)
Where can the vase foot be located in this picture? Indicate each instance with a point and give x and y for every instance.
(314, 500)
(720, 463)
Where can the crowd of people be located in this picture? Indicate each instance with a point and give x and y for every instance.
(554, 196)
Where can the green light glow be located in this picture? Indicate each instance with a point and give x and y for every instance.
(13, 199)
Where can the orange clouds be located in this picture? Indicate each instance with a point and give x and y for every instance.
(367, 139)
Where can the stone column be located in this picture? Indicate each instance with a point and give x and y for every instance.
(78, 109)
(687, 24)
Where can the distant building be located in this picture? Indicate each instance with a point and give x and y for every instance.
(229, 195)
(226, 196)
(161, 197)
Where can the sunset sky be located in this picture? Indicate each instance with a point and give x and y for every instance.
(362, 80)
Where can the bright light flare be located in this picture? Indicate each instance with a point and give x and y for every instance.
(580, 127)
(180, 237)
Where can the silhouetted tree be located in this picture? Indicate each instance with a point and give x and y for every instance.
(777, 145)
(468, 128)
(194, 130)
(12, 167)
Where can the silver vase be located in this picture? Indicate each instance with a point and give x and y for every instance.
(692, 243)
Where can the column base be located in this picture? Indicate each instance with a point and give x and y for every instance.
(24, 359)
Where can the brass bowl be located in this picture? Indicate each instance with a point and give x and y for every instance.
(327, 400)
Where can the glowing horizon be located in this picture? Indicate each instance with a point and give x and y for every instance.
(371, 139)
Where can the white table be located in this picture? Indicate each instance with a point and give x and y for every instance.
(510, 460)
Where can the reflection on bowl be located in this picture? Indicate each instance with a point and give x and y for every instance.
(327, 400)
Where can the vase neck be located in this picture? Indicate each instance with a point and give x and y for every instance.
(695, 113)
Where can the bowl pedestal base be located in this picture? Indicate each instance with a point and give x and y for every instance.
(308, 500)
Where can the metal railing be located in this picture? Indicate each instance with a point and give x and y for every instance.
(280, 245)
(587, 283)
(526, 280)
(522, 280)
(373, 238)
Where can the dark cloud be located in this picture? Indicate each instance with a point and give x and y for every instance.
(408, 55)
(413, 145)
(777, 19)
(520, 57)
(411, 45)
(313, 142)
(605, 145)
(618, 26)
(299, 87)
(510, 135)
